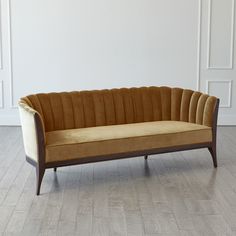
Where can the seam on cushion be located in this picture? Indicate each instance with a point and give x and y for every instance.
(123, 103)
(180, 113)
(82, 99)
(132, 101)
(196, 108)
(80, 96)
(104, 108)
(142, 105)
(53, 118)
(114, 106)
(182, 92)
(94, 114)
(72, 104)
(150, 99)
(161, 103)
(62, 111)
(207, 129)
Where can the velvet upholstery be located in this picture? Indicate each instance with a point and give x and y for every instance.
(71, 128)
(114, 139)
(71, 110)
(186, 118)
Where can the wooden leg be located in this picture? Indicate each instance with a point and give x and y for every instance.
(55, 169)
(39, 175)
(212, 150)
(146, 157)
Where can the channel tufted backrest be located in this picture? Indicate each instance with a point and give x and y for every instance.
(68, 110)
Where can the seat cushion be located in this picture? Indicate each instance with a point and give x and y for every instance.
(105, 140)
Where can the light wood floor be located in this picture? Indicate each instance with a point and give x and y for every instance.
(170, 194)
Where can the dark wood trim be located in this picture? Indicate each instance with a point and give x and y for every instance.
(40, 167)
(126, 155)
(212, 149)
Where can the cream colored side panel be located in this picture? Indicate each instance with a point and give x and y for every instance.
(27, 118)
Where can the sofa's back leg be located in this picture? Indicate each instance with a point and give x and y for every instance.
(146, 157)
(55, 169)
(39, 176)
(212, 150)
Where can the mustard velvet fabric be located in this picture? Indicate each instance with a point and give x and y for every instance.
(105, 140)
(88, 123)
(71, 110)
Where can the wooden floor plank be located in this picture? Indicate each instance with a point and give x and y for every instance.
(169, 194)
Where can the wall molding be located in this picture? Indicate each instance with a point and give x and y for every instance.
(12, 105)
(1, 47)
(230, 66)
(227, 120)
(199, 33)
(229, 82)
(1, 95)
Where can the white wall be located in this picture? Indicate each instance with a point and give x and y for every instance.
(58, 45)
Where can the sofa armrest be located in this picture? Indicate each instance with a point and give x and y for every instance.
(33, 133)
(210, 112)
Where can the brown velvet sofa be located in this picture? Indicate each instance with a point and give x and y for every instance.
(68, 128)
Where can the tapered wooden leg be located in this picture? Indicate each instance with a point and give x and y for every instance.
(55, 169)
(212, 150)
(146, 157)
(39, 176)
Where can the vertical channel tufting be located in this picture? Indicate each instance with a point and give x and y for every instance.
(36, 104)
(78, 109)
(200, 108)
(185, 102)
(137, 104)
(88, 106)
(119, 107)
(46, 108)
(176, 96)
(193, 106)
(156, 103)
(128, 106)
(147, 105)
(166, 102)
(68, 110)
(99, 108)
(57, 111)
(208, 111)
(109, 107)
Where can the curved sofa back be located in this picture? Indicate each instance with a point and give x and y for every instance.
(69, 110)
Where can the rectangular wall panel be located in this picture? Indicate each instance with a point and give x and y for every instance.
(220, 34)
(1, 56)
(1, 94)
(221, 89)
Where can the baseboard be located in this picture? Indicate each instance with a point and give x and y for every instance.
(227, 120)
(9, 120)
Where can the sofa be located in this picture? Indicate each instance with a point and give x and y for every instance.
(69, 128)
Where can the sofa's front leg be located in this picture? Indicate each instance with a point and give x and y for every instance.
(39, 175)
(212, 150)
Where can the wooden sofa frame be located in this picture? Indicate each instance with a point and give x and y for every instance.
(41, 166)
(37, 154)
